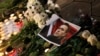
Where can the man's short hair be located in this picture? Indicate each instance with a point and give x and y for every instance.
(67, 26)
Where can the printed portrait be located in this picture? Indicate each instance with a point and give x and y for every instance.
(58, 31)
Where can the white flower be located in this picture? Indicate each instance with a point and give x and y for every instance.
(34, 5)
(29, 3)
(44, 15)
(28, 14)
(85, 34)
(52, 5)
(37, 6)
(92, 40)
(40, 19)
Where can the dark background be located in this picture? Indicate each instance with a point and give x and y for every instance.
(70, 8)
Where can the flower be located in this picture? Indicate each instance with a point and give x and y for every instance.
(85, 34)
(92, 40)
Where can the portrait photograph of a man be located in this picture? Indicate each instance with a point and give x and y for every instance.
(58, 31)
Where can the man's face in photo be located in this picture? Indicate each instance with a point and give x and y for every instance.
(61, 31)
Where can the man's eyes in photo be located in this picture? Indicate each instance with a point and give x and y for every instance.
(61, 29)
